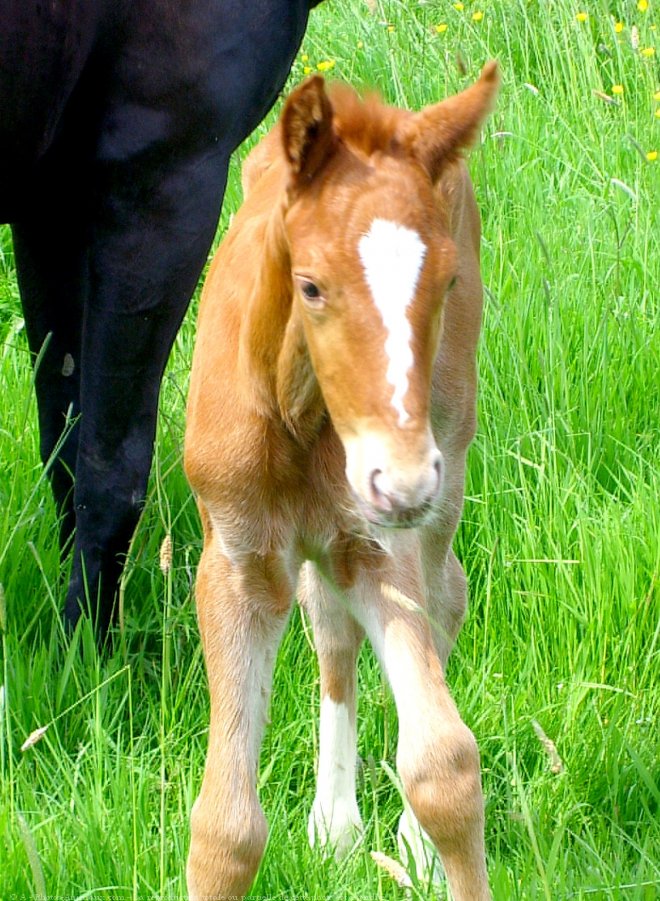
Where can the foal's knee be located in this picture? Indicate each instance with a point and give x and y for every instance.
(443, 785)
(225, 852)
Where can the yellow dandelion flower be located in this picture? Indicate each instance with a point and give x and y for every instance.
(477, 16)
(643, 5)
(307, 70)
(657, 113)
(652, 156)
(305, 57)
(441, 28)
(582, 17)
(618, 27)
(617, 89)
(648, 52)
(656, 96)
(390, 28)
(325, 65)
(459, 6)
(360, 45)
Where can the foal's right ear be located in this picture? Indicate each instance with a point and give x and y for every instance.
(307, 132)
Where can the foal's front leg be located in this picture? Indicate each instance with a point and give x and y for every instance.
(437, 756)
(242, 612)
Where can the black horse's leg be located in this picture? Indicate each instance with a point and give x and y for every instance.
(148, 249)
(51, 260)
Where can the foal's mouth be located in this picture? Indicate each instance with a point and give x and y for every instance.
(398, 517)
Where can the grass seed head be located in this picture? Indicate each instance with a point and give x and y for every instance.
(166, 554)
(393, 868)
(556, 763)
(33, 738)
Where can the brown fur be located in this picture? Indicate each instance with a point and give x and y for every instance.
(280, 387)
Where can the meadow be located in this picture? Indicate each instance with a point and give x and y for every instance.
(557, 667)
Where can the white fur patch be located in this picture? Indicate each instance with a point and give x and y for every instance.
(392, 256)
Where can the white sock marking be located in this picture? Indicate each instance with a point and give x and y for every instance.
(392, 256)
(335, 819)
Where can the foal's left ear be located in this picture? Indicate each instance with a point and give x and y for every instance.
(437, 135)
(307, 131)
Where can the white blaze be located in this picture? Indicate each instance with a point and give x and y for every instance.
(392, 256)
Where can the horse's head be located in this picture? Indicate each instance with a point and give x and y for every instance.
(372, 261)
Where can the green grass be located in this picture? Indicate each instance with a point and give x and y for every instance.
(559, 537)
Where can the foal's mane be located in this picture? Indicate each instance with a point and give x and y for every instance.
(365, 124)
(273, 345)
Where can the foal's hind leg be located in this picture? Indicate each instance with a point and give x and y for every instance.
(334, 820)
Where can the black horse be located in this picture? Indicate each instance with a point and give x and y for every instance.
(117, 120)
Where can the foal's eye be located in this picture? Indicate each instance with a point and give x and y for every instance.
(311, 292)
(451, 284)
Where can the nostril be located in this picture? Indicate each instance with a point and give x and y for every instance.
(379, 498)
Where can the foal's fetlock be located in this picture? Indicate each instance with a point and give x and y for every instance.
(336, 828)
(224, 861)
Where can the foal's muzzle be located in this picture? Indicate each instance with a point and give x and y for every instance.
(395, 484)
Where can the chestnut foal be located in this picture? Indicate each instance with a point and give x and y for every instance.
(331, 404)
